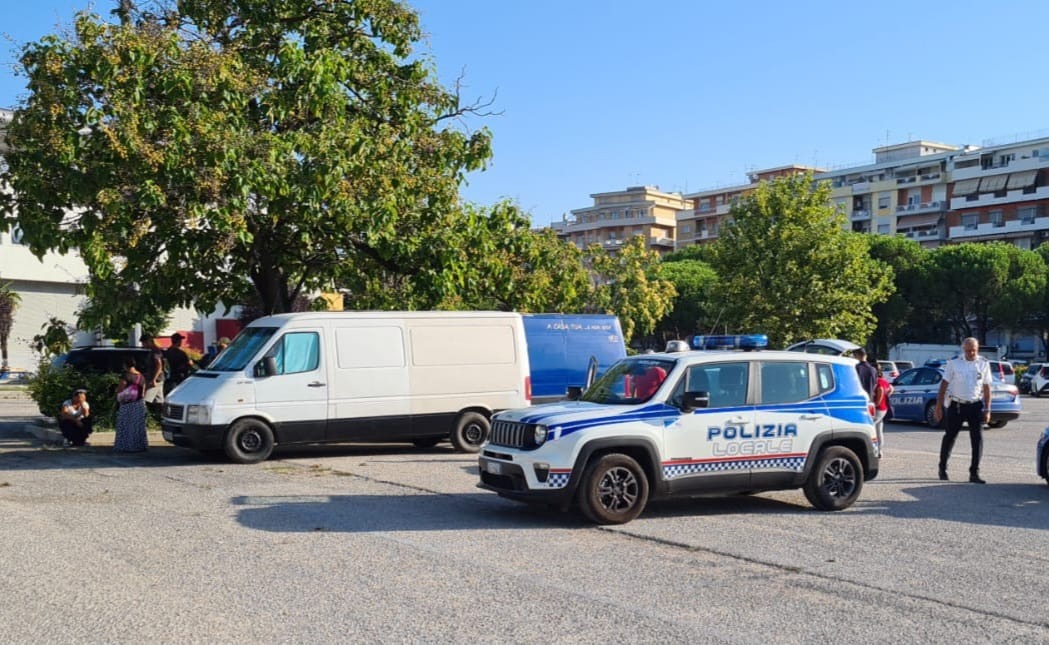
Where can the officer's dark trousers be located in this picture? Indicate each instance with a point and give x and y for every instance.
(958, 413)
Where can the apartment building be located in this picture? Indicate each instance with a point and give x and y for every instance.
(709, 209)
(617, 216)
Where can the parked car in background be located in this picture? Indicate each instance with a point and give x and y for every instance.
(828, 346)
(1039, 379)
(1002, 371)
(914, 398)
(903, 366)
(889, 370)
(1025, 380)
(102, 360)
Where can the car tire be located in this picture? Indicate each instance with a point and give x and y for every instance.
(1045, 464)
(613, 489)
(930, 411)
(426, 442)
(249, 441)
(836, 480)
(471, 430)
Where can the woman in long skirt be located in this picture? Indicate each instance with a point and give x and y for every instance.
(131, 415)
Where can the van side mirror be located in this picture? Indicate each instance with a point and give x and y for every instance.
(574, 393)
(266, 367)
(695, 400)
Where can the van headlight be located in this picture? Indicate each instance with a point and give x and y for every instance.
(198, 414)
(540, 435)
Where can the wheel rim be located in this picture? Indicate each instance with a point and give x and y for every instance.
(618, 490)
(251, 441)
(473, 433)
(839, 478)
(930, 415)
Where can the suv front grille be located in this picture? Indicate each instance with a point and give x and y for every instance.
(512, 434)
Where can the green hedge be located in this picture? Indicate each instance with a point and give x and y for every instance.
(50, 386)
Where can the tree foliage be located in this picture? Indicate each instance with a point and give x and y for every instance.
(486, 258)
(976, 287)
(788, 268)
(693, 309)
(906, 260)
(9, 302)
(206, 150)
(627, 283)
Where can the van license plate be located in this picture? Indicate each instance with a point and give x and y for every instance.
(167, 435)
(495, 467)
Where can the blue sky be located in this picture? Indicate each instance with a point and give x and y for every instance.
(689, 95)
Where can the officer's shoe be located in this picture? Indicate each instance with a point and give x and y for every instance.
(975, 479)
(943, 474)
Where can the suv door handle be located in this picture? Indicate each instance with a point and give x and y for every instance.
(811, 417)
(315, 384)
(739, 421)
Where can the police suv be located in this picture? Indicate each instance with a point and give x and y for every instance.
(688, 424)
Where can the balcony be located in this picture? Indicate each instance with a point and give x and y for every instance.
(989, 199)
(922, 207)
(924, 234)
(1009, 228)
(1016, 165)
(859, 215)
(661, 241)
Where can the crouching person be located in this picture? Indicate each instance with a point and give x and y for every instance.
(75, 420)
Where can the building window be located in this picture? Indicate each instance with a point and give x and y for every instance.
(970, 221)
(16, 235)
(996, 218)
(686, 228)
(883, 201)
(1027, 214)
(883, 229)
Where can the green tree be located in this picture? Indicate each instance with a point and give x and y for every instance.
(208, 150)
(906, 259)
(53, 338)
(788, 268)
(9, 301)
(693, 309)
(486, 258)
(1038, 318)
(627, 283)
(980, 286)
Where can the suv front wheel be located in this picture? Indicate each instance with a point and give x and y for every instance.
(614, 489)
(836, 481)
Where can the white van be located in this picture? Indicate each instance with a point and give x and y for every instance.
(326, 377)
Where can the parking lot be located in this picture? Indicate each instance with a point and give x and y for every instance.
(392, 544)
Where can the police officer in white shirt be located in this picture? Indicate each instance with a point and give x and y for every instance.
(966, 389)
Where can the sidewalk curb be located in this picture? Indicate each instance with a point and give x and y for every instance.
(52, 435)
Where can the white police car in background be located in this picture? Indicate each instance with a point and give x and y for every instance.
(687, 424)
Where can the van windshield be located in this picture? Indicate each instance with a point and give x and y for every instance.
(243, 348)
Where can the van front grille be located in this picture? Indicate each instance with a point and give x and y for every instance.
(173, 412)
(512, 434)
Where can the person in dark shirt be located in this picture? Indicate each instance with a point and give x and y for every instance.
(868, 374)
(179, 364)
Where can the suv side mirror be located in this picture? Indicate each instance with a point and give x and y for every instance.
(573, 393)
(695, 400)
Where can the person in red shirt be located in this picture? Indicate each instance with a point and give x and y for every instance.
(882, 390)
(646, 384)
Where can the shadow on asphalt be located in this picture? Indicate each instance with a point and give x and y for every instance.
(380, 513)
(1024, 506)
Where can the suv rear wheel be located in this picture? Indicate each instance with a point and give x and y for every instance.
(836, 481)
(614, 489)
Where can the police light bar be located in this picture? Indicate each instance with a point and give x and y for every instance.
(744, 341)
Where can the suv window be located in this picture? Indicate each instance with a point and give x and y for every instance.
(784, 382)
(726, 383)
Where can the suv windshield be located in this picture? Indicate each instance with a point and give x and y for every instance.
(629, 382)
(243, 348)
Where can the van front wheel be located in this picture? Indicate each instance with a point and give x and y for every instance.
(249, 441)
(471, 430)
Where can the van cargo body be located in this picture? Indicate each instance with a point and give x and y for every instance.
(326, 377)
(560, 347)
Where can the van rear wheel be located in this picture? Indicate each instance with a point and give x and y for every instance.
(249, 441)
(471, 430)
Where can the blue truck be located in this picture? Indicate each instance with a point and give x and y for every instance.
(560, 348)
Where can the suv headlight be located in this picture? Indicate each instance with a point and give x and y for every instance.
(198, 414)
(540, 435)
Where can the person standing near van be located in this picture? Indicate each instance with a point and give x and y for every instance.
(966, 388)
(131, 415)
(178, 362)
(154, 373)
